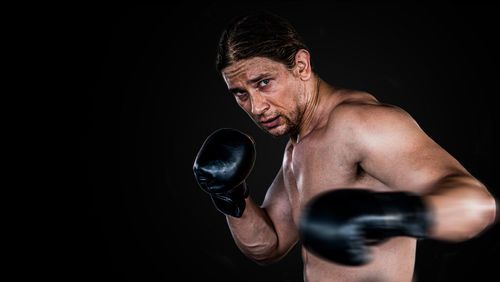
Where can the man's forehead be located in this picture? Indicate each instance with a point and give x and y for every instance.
(249, 68)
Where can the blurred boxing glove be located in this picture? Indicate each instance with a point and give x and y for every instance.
(340, 225)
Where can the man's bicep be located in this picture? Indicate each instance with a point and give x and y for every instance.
(397, 152)
(277, 206)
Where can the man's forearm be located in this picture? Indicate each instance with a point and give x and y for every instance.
(254, 233)
(461, 207)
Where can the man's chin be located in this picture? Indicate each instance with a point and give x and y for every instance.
(277, 131)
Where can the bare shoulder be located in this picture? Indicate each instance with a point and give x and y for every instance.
(361, 111)
(360, 117)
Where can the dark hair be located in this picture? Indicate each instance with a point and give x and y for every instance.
(258, 35)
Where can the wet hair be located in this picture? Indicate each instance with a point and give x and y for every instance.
(259, 34)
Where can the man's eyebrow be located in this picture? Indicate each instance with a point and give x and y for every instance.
(250, 81)
(236, 90)
(258, 78)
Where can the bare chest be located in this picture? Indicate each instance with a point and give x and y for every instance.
(311, 168)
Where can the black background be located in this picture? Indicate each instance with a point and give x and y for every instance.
(144, 94)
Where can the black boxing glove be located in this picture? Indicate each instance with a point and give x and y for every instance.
(339, 225)
(221, 167)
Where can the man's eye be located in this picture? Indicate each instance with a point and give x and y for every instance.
(264, 82)
(240, 95)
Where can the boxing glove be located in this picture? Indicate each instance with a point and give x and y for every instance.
(221, 167)
(340, 225)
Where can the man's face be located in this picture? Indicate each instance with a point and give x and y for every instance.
(269, 92)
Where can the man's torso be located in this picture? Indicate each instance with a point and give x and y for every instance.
(326, 159)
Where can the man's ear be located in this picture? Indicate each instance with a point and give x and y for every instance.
(303, 64)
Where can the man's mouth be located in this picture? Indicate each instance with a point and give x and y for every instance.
(269, 123)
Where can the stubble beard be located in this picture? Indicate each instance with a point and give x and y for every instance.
(292, 121)
(290, 126)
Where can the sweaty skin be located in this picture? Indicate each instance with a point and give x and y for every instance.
(345, 139)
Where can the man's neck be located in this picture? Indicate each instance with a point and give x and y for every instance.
(320, 100)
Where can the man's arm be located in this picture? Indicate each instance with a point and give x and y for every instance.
(267, 233)
(393, 149)
(221, 168)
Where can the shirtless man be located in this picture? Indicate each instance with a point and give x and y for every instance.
(402, 185)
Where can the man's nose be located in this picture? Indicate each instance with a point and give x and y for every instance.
(259, 103)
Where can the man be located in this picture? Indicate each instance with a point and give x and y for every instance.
(359, 182)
